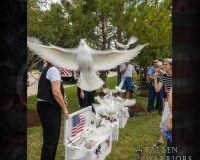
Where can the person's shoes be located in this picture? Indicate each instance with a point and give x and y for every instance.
(157, 144)
(160, 113)
(148, 113)
(136, 115)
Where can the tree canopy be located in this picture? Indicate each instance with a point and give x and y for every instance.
(101, 22)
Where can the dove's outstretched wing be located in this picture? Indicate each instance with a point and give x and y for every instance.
(105, 60)
(64, 58)
(131, 40)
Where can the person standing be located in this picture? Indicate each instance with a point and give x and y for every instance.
(127, 75)
(51, 101)
(137, 70)
(169, 128)
(152, 92)
(167, 80)
(85, 98)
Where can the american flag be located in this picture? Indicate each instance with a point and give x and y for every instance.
(78, 123)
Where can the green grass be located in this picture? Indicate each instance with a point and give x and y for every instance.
(141, 131)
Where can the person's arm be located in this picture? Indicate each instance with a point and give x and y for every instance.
(161, 71)
(82, 93)
(124, 70)
(133, 74)
(150, 77)
(133, 79)
(150, 73)
(157, 85)
(79, 81)
(170, 99)
(147, 78)
(59, 98)
(169, 125)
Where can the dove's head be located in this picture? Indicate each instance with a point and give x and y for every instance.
(82, 42)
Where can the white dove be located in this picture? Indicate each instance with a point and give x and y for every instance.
(111, 108)
(100, 109)
(129, 102)
(99, 100)
(131, 40)
(119, 87)
(95, 118)
(85, 59)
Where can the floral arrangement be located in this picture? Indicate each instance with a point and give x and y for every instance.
(111, 119)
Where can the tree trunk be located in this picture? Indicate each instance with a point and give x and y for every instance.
(103, 77)
(140, 74)
(118, 75)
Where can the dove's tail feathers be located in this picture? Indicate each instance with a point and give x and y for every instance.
(121, 45)
(34, 40)
(132, 40)
(90, 81)
(129, 102)
(121, 84)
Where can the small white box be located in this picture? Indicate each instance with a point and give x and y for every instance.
(72, 135)
(123, 119)
(115, 131)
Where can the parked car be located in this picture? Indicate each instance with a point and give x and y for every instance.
(113, 69)
(66, 74)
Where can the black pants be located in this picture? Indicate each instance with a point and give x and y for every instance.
(88, 99)
(50, 118)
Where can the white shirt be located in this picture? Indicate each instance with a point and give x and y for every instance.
(129, 72)
(53, 74)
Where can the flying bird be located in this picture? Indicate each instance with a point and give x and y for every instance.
(131, 40)
(83, 58)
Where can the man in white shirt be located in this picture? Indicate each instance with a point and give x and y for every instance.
(127, 75)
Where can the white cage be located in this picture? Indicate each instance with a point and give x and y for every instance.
(115, 131)
(123, 119)
(98, 152)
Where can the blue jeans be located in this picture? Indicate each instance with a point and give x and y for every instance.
(88, 99)
(127, 84)
(152, 94)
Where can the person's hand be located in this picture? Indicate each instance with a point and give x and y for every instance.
(82, 95)
(156, 69)
(66, 104)
(65, 112)
(132, 82)
(155, 75)
(161, 71)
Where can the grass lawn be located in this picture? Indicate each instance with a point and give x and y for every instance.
(141, 131)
